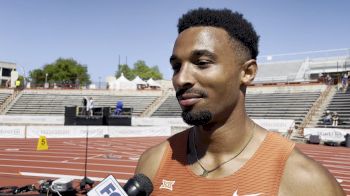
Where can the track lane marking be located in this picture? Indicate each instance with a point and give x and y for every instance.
(74, 163)
(64, 176)
(67, 169)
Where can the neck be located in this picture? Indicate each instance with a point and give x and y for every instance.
(226, 138)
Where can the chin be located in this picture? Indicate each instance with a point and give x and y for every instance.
(197, 118)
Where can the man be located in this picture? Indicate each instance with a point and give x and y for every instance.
(90, 107)
(345, 82)
(118, 108)
(335, 119)
(225, 152)
(18, 84)
(327, 120)
(84, 102)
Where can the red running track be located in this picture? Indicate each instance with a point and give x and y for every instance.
(21, 164)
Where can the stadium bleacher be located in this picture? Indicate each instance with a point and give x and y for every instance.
(280, 105)
(293, 106)
(3, 97)
(340, 103)
(47, 103)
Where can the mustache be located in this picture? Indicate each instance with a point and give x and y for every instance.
(182, 91)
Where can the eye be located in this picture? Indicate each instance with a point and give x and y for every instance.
(202, 63)
(176, 67)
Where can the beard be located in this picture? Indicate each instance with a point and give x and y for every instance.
(197, 117)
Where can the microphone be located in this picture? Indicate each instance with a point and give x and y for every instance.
(138, 185)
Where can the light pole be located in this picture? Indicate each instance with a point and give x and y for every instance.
(24, 76)
(99, 82)
(46, 85)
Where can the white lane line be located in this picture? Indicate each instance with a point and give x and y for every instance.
(134, 158)
(64, 176)
(5, 173)
(12, 149)
(65, 169)
(62, 157)
(70, 143)
(65, 161)
(95, 156)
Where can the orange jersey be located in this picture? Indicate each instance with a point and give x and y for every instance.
(260, 175)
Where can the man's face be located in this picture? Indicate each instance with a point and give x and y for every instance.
(206, 75)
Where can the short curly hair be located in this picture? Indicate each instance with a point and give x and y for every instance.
(233, 23)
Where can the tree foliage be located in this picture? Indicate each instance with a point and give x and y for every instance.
(125, 69)
(140, 69)
(64, 71)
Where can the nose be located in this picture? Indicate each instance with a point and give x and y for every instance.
(184, 78)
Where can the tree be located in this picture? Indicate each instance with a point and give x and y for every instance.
(140, 69)
(125, 69)
(37, 76)
(62, 71)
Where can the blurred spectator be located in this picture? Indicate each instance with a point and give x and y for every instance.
(340, 86)
(328, 79)
(118, 108)
(8, 82)
(18, 84)
(327, 120)
(320, 77)
(84, 102)
(335, 119)
(345, 81)
(90, 106)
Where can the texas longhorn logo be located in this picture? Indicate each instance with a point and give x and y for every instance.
(167, 184)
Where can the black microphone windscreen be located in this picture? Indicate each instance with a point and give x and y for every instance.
(139, 185)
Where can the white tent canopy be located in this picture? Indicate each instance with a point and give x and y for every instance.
(122, 83)
(153, 83)
(139, 81)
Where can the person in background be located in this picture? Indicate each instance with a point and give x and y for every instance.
(327, 119)
(7, 84)
(18, 84)
(335, 119)
(118, 108)
(344, 81)
(329, 79)
(320, 77)
(84, 102)
(90, 107)
(224, 152)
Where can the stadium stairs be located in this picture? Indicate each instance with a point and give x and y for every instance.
(8, 101)
(156, 104)
(319, 107)
(339, 103)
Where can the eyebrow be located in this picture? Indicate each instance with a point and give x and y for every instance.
(207, 53)
(197, 53)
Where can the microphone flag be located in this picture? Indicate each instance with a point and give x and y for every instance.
(107, 187)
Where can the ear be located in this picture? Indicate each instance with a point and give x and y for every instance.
(248, 71)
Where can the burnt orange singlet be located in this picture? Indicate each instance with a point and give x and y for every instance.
(260, 175)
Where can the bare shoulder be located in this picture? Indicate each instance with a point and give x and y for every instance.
(150, 160)
(304, 176)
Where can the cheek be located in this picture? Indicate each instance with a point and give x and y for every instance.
(222, 84)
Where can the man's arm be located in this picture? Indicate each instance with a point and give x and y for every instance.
(304, 176)
(150, 160)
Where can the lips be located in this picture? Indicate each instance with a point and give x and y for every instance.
(189, 99)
